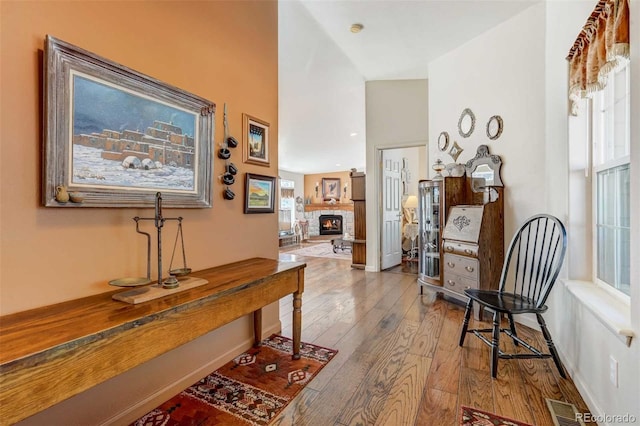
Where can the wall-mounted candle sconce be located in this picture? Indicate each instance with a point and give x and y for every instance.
(317, 186)
(344, 190)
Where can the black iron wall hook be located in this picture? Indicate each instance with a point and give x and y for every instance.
(228, 178)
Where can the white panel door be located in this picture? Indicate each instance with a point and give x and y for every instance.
(391, 212)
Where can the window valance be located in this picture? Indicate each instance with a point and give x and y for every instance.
(600, 47)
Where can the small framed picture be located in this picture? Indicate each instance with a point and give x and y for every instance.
(331, 188)
(255, 142)
(260, 193)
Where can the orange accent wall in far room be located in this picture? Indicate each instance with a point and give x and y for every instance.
(310, 185)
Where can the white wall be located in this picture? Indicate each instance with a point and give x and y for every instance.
(518, 70)
(397, 116)
(321, 97)
(498, 73)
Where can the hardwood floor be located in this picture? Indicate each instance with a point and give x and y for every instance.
(399, 362)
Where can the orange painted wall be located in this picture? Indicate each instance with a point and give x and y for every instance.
(311, 180)
(224, 51)
(51, 254)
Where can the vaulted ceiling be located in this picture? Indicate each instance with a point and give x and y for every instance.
(323, 66)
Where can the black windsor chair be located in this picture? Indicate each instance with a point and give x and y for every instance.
(530, 269)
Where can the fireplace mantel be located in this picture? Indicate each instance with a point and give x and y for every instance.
(315, 207)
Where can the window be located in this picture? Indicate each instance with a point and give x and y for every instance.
(286, 216)
(610, 130)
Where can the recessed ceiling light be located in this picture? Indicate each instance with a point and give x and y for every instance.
(338, 165)
(353, 134)
(356, 28)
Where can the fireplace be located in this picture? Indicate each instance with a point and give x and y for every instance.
(330, 224)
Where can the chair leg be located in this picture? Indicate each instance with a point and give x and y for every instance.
(552, 347)
(465, 323)
(495, 343)
(512, 325)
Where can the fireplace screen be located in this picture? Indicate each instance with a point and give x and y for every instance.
(330, 224)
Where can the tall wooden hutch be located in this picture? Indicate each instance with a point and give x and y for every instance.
(359, 245)
(470, 252)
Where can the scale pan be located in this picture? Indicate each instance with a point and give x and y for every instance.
(180, 272)
(130, 282)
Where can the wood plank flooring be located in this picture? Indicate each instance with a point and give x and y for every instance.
(399, 362)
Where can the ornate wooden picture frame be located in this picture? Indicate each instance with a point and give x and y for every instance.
(115, 137)
(255, 140)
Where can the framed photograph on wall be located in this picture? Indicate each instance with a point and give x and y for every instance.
(117, 137)
(255, 140)
(260, 193)
(331, 188)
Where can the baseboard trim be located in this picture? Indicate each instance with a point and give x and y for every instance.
(581, 385)
(147, 404)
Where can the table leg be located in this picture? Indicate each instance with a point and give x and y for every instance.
(257, 327)
(297, 323)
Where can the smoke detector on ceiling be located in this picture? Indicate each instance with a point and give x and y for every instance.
(356, 28)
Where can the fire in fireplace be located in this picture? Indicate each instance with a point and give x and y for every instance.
(330, 224)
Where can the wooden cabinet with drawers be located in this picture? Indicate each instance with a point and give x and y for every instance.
(473, 246)
(460, 272)
(469, 252)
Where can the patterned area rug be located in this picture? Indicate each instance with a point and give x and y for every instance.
(323, 249)
(474, 417)
(250, 390)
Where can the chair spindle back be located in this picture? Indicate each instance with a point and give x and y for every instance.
(534, 258)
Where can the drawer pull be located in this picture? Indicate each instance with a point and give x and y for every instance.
(448, 248)
(451, 283)
(469, 268)
(468, 251)
(451, 264)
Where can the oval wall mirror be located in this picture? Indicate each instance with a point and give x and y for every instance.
(466, 123)
(443, 141)
(494, 127)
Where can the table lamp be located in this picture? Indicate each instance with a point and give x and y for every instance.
(411, 204)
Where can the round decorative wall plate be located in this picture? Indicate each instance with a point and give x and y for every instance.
(466, 123)
(494, 127)
(443, 141)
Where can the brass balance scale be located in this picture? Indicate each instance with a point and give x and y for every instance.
(177, 279)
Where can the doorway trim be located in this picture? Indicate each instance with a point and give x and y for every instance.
(374, 245)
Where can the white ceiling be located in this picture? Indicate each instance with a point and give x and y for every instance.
(323, 67)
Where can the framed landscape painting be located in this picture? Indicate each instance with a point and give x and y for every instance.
(117, 137)
(260, 194)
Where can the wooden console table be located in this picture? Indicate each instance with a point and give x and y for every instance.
(51, 353)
